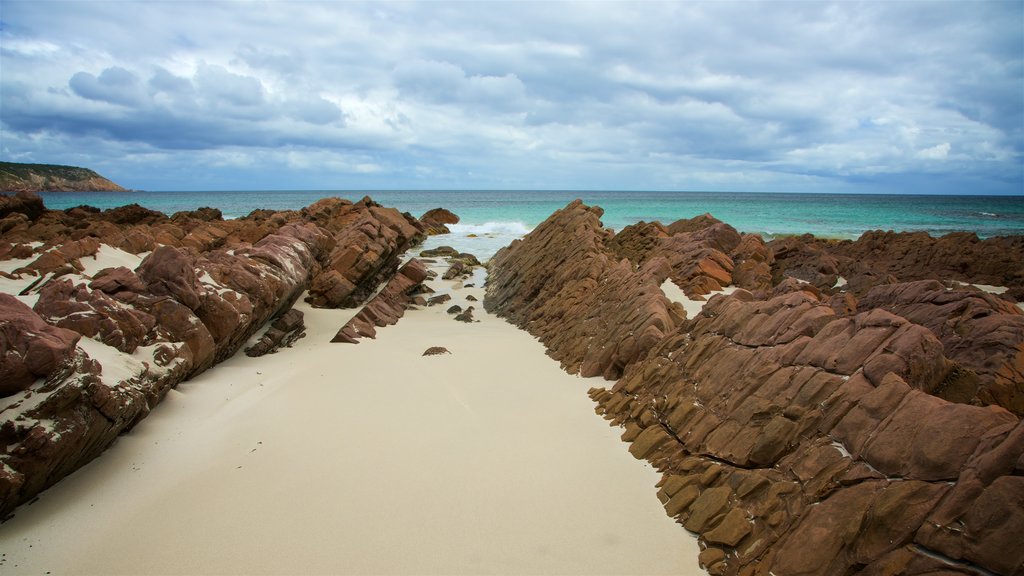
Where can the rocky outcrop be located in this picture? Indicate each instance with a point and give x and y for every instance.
(798, 431)
(282, 333)
(564, 286)
(27, 204)
(983, 334)
(435, 221)
(204, 289)
(703, 253)
(17, 177)
(370, 240)
(878, 258)
(29, 347)
(387, 306)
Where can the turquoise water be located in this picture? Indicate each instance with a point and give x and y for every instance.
(835, 215)
(499, 216)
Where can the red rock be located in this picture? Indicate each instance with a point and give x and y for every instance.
(169, 271)
(387, 306)
(93, 314)
(563, 285)
(434, 221)
(29, 347)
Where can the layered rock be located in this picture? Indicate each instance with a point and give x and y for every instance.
(204, 288)
(387, 306)
(703, 253)
(29, 347)
(564, 286)
(982, 333)
(889, 257)
(283, 332)
(370, 240)
(798, 432)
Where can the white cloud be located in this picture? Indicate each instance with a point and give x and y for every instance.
(652, 94)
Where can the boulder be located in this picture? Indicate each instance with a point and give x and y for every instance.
(434, 221)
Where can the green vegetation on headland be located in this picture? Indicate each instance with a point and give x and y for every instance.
(17, 177)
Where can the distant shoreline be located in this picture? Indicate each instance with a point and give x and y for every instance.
(18, 177)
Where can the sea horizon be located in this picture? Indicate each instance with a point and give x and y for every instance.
(771, 214)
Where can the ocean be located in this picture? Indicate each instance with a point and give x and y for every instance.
(498, 217)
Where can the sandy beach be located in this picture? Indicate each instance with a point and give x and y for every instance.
(364, 459)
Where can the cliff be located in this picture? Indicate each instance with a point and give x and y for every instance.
(17, 177)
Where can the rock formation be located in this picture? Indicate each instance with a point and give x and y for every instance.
(387, 306)
(562, 285)
(98, 351)
(798, 432)
(435, 221)
(283, 332)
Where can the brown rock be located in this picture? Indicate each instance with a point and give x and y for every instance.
(29, 347)
(435, 350)
(387, 306)
(733, 528)
(434, 221)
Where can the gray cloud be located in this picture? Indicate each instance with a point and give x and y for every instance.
(777, 95)
(115, 85)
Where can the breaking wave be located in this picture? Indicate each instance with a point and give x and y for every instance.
(491, 229)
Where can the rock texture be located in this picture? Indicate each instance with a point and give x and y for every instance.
(98, 351)
(799, 429)
(435, 221)
(564, 286)
(387, 306)
(282, 333)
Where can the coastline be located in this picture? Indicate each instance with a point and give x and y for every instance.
(366, 458)
(747, 373)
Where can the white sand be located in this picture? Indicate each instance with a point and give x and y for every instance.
(692, 307)
(358, 459)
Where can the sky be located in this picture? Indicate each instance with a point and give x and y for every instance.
(873, 97)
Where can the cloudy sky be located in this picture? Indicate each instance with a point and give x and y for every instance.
(907, 96)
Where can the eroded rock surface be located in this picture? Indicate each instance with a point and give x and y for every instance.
(561, 284)
(101, 348)
(799, 429)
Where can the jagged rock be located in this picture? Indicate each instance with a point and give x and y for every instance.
(133, 214)
(979, 331)
(283, 332)
(387, 306)
(804, 258)
(94, 314)
(563, 285)
(434, 221)
(117, 280)
(797, 432)
(435, 351)
(169, 271)
(456, 270)
(29, 347)
(369, 241)
(180, 311)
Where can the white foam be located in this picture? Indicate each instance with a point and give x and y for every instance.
(490, 228)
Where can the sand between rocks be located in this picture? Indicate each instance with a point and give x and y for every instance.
(364, 459)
